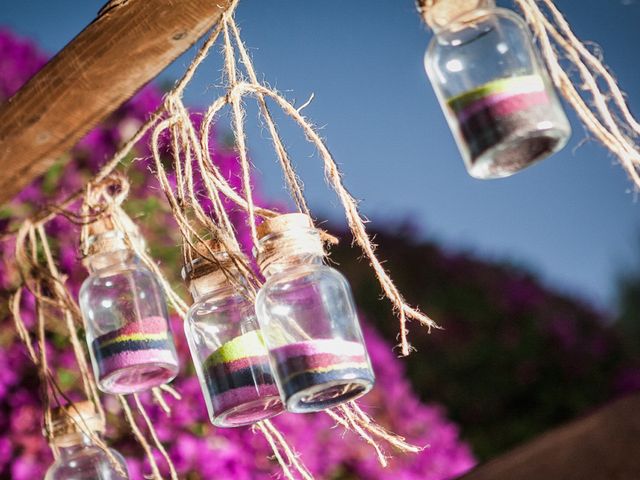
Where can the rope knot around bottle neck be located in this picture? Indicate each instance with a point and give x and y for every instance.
(208, 267)
(109, 228)
(71, 422)
(439, 14)
(285, 237)
(108, 234)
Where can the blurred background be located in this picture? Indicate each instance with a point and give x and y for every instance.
(535, 278)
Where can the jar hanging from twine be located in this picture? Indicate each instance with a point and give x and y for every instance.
(308, 319)
(126, 315)
(226, 344)
(492, 86)
(72, 432)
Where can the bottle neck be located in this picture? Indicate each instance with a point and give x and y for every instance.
(207, 280)
(73, 443)
(214, 285)
(100, 261)
(291, 261)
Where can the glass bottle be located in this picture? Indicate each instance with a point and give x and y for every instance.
(308, 319)
(79, 458)
(226, 344)
(494, 89)
(126, 316)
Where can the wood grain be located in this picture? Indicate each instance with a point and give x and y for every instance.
(602, 446)
(126, 46)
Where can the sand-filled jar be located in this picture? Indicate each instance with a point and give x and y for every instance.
(494, 89)
(226, 344)
(308, 319)
(126, 316)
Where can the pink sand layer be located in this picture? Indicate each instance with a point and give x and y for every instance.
(320, 360)
(506, 105)
(238, 396)
(146, 325)
(486, 102)
(134, 358)
(314, 347)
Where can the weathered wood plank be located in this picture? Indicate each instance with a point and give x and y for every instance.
(602, 446)
(127, 45)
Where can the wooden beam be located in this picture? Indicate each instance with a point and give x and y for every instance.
(126, 46)
(601, 446)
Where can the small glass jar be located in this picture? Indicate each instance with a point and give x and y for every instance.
(494, 89)
(226, 344)
(126, 316)
(79, 458)
(307, 315)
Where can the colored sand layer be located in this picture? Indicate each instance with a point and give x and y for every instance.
(500, 111)
(239, 379)
(139, 355)
(339, 365)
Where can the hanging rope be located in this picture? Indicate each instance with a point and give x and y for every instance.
(140, 437)
(284, 454)
(351, 417)
(43, 280)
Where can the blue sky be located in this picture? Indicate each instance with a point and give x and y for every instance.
(573, 218)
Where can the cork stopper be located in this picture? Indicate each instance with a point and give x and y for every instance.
(104, 236)
(287, 236)
(106, 224)
(439, 14)
(283, 223)
(71, 422)
(201, 274)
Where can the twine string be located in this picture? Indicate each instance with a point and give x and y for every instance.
(154, 437)
(595, 63)
(366, 422)
(88, 382)
(284, 454)
(284, 465)
(293, 181)
(345, 420)
(155, 471)
(238, 127)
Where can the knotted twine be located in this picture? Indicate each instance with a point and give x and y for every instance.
(593, 93)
